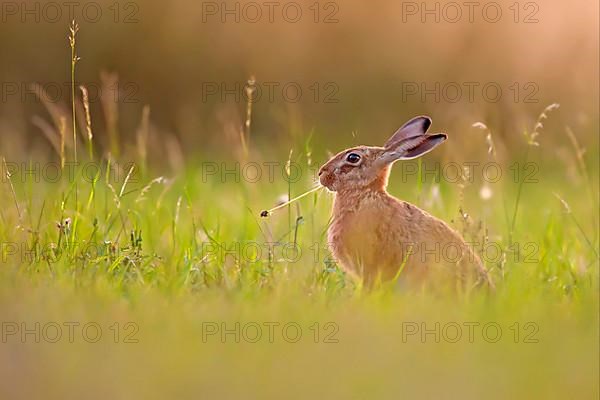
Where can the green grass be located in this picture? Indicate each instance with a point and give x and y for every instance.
(163, 257)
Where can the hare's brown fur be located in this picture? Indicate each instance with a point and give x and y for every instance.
(373, 234)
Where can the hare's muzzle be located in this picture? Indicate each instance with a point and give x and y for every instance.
(326, 178)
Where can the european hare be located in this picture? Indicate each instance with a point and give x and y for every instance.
(376, 236)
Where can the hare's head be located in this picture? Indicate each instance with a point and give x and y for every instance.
(365, 166)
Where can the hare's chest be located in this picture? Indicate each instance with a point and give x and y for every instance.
(356, 237)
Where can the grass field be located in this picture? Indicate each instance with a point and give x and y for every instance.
(134, 267)
(210, 299)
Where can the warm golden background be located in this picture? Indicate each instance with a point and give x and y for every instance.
(168, 57)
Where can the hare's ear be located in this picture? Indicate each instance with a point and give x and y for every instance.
(415, 127)
(413, 147)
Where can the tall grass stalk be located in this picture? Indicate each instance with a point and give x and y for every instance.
(142, 139)
(569, 212)
(88, 120)
(73, 29)
(579, 153)
(531, 142)
(492, 155)
(12, 188)
(63, 134)
(245, 133)
(518, 197)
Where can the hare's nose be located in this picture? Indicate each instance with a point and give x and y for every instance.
(320, 172)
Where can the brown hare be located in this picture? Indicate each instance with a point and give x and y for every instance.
(375, 236)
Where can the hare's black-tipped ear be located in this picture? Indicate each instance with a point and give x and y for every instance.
(427, 143)
(412, 147)
(414, 127)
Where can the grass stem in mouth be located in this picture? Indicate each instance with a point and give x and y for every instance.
(266, 213)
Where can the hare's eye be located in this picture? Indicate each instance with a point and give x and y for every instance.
(353, 158)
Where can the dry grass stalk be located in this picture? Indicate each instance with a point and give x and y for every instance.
(245, 133)
(88, 120)
(63, 134)
(142, 137)
(12, 188)
(73, 29)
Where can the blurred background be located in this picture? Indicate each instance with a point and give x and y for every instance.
(346, 72)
